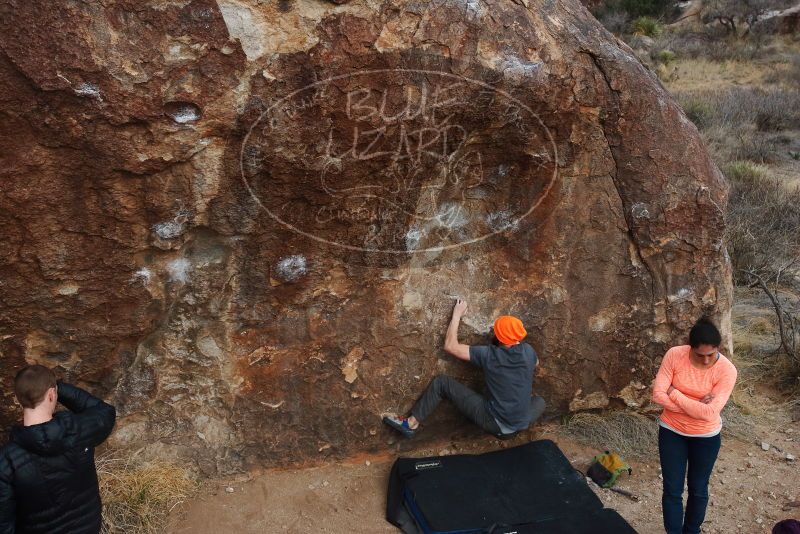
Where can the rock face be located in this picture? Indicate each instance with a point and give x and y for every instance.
(245, 222)
(786, 22)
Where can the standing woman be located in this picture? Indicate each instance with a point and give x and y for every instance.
(693, 384)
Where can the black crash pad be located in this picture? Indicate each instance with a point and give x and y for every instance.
(527, 489)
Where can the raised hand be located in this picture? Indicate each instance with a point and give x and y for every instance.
(460, 309)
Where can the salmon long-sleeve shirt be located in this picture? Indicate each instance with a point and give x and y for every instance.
(683, 410)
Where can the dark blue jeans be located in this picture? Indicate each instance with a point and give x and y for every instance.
(676, 452)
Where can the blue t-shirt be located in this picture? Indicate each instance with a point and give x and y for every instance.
(509, 378)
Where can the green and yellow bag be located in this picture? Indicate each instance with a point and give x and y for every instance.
(606, 468)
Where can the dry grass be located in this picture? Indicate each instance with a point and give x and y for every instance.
(744, 123)
(746, 110)
(702, 74)
(771, 109)
(635, 436)
(138, 496)
(791, 73)
(762, 367)
(627, 433)
(716, 46)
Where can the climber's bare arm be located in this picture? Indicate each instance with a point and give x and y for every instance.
(451, 344)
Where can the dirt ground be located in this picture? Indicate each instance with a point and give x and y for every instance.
(750, 490)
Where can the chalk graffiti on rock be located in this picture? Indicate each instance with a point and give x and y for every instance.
(365, 160)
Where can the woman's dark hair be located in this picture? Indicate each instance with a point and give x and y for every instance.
(704, 332)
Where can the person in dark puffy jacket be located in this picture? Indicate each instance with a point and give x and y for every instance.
(48, 481)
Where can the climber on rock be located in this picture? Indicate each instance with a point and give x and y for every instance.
(48, 481)
(508, 365)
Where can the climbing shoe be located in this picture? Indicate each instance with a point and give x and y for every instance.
(400, 424)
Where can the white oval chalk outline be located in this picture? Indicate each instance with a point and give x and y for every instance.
(290, 226)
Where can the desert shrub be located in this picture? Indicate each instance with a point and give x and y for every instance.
(615, 14)
(614, 21)
(793, 76)
(766, 27)
(788, 74)
(762, 325)
(763, 220)
(763, 238)
(698, 111)
(714, 44)
(737, 50)
(738, 16)
(727, 143)
(666, 56)
(663, 72)
(770, 120)
(744, 172)
(627, 433)
(750, 146)
(684, 44)
(137, 495)
(756, 336)
(701, 107)
(646, 26)
(779, 107)
(645, 8)
(740, 108)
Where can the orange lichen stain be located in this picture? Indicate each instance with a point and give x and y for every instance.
(263, 369)
(589, 110)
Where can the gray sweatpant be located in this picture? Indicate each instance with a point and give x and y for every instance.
(467, 401)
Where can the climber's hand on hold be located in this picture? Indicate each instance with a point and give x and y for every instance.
(460, 309)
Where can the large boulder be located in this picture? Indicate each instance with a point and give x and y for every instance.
(245, 222)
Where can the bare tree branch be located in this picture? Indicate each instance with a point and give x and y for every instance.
(787, 335)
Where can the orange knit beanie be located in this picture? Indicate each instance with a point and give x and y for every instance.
(509, 330)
